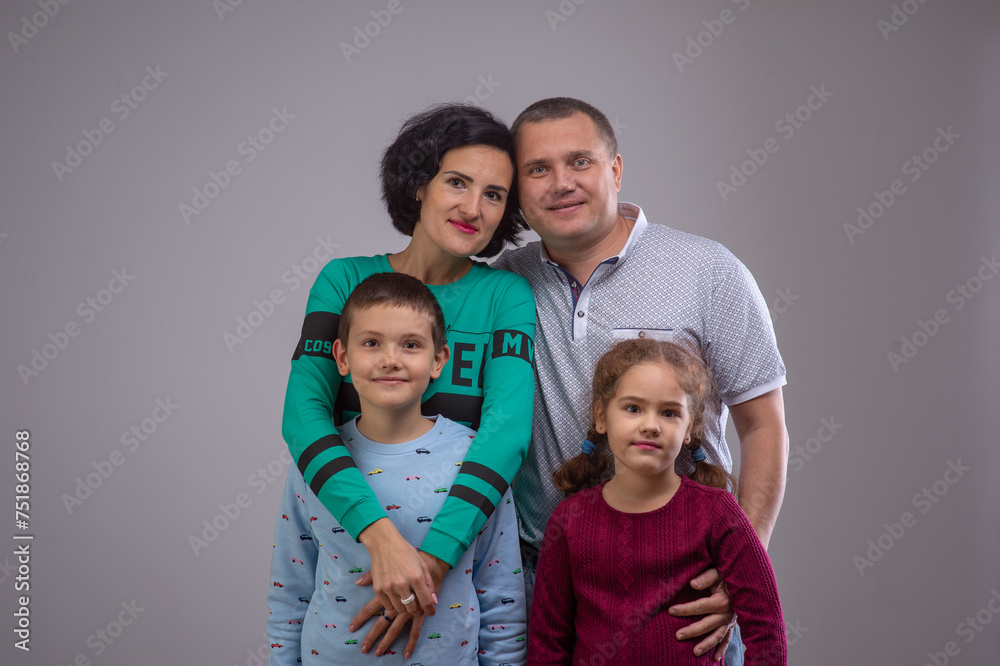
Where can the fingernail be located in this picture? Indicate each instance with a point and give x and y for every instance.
(378, 652)
(406, 654)
(434, 596)
(351, 628)
(681, 636)
(357, 582)
(364, 649)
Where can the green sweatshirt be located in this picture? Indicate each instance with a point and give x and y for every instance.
(488, 385)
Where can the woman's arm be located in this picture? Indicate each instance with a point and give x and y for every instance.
(501, 443)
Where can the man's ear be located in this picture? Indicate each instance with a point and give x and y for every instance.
(440, 359)
(600, 420)
(340, 356)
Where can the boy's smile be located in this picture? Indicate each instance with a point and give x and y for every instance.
(391, 358)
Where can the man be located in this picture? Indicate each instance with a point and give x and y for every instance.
(603, 273)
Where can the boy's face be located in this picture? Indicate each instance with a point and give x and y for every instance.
(390, 355)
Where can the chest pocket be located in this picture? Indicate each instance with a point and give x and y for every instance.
(662, 334)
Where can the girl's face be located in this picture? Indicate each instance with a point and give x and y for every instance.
(461, 207)
(646, 421)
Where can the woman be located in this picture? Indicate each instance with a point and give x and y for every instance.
(448, 182)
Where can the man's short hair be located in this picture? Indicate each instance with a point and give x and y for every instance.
(396, 290)
(557, 108)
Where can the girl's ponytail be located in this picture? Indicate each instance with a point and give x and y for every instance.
(585, 469)
(706, 473)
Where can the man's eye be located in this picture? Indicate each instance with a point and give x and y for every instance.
(537, 170)
(581, 162)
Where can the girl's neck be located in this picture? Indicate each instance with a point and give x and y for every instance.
(638, 493)
(429, 263)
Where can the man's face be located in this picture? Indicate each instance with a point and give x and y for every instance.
(567, 182)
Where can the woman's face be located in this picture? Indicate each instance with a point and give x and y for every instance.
(463, 203)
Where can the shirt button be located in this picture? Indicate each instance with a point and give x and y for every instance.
(580, 313)
(574, 284)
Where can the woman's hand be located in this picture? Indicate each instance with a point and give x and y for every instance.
(392, 623)
(398, 573)
(717, 609)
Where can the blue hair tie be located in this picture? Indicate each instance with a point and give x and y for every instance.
(588, 447)
(697, 454)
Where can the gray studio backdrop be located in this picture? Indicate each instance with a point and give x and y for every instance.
(174, 175)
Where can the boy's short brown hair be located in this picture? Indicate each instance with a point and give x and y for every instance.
(397, 290)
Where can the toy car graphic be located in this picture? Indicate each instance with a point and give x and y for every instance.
(435, 635)
(351, 641)
(375, 471)
(355, 570)
(295, 559)
(506, 600)
(390, 507)
(339, 530)
(304, 600)
(442, 489)
(517, 570)
(314, 652)
(468, 571)
(295, 622)
(423, 451)
(480, 591)
(305, 537)
(274, 645)
(498, 626)
(455, 606)
(519, 639)
(493, 562)
(424, 519)
(313, 519)
(327, 624)
(464, 643)
(277, 584)
(339, 598)
(410, 478)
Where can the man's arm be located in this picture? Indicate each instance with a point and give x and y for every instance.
(760, 424)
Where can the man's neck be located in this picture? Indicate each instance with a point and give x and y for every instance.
(392, 426)
(581, 261)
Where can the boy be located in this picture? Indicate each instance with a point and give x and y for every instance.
(392, 341)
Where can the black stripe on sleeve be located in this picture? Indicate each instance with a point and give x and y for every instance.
(486, 474)
(316, 448)
(328, 470)
(474, 498)
(319, 330)
(457, 407)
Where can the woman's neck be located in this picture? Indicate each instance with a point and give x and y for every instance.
(429, 263)
(638, 493)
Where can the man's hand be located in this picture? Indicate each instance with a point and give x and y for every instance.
(391, 622)
(719, 617)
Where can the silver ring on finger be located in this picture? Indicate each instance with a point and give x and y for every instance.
(408, 600)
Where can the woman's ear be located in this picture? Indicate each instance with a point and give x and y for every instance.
(340, 356)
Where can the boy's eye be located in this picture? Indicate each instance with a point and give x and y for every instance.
(410, 345)
(369, 343)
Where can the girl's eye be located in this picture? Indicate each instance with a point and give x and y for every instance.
(669, 413)
(632, 409)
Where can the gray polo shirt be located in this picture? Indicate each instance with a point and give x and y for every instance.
(664, 284)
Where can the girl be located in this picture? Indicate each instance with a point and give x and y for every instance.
(617, 554)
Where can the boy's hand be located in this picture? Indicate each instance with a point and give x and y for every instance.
(397, 573)
(390, 622)
(719, 617)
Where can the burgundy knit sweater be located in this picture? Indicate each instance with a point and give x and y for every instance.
(606, 578)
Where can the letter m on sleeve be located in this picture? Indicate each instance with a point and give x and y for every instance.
(513, 343)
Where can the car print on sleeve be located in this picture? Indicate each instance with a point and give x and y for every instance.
(494, 627)
(277, 584)
(424, 519)
(295, 559)
(390, 507)
(377, 470)
(410, 478)
(338, 530)
(423, 451)
(355, 570)
(435, 635)
(455, 606)
(340, 598)
(441, 489)
(493, 562)
(506, 600)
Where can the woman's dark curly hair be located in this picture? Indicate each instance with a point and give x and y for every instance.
(414, 158)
